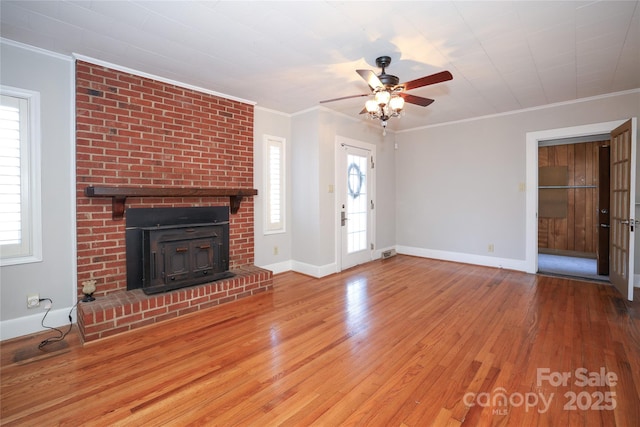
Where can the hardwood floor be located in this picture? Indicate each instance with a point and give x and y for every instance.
(401, 342)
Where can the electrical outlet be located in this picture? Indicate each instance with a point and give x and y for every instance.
(33, 300)
(275, 250)
(490, 248)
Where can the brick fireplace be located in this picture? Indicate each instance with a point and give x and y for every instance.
(135, 132)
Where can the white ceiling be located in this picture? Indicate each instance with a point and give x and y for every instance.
(288, 56)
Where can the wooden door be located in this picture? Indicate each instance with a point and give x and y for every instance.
(602, 250)
(622, 208)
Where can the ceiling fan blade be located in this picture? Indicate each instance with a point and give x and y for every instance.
(369, 76)
(344, 97)
(417, 100)
(440, 77)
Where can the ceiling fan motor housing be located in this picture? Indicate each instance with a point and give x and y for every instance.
(388, 80)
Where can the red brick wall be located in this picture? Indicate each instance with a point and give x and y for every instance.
(138, 132)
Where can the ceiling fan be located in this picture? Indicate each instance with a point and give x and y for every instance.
(390, 95)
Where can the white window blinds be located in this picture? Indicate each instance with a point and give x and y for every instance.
(10, 138)
(275, 184)
(19, 184)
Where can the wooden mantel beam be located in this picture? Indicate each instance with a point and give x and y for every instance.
(119, 195)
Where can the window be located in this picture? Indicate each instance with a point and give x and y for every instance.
(274, 184)
(20, 229)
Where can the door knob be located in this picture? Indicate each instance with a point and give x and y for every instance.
(630, 222)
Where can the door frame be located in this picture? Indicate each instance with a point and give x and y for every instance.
(340, 141)
(532, 142)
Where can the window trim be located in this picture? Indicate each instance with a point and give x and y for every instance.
(281, 143)
(31, 250)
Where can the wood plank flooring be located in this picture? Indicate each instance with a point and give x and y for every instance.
(400, 342)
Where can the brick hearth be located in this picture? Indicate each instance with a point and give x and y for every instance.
(123, 311)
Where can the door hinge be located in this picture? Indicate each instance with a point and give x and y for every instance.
(372, 246)
(372, 205)
(373, 165)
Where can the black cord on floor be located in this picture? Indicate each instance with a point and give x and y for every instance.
(62, 335)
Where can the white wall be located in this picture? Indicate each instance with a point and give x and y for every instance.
(305, 172)
(460, 186)
(272, 123)
(54, 277)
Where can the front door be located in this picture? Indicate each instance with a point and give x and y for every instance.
(355, 205)
(623, 177)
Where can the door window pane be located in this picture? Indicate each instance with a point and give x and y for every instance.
(356, 203)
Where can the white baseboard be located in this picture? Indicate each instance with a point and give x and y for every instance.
(325, 270)
(511, 264)
(27, 325)
(314, 270)
(279, 267)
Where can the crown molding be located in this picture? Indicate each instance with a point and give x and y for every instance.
(39, 50)
(526, 110)
(269, 110)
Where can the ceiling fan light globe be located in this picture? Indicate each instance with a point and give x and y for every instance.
(371, 106)
(382, 97)
(396, 103)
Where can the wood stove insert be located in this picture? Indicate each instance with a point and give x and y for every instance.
(171, 248)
